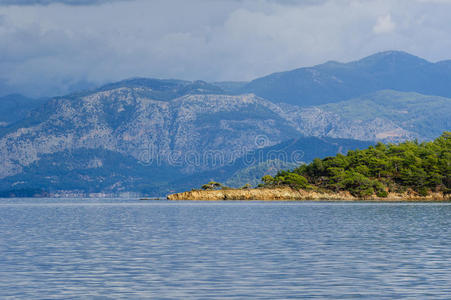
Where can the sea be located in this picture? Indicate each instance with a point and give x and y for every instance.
(134, 249)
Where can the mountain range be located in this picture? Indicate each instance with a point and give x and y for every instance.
(152, 136)
(334, 81)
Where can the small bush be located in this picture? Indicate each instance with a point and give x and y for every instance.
(212, 185)
(423, 191)
(382, 194)
(247, 186)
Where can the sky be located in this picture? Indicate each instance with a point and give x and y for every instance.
(52, 47)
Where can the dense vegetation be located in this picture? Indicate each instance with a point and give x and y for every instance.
(380, 169)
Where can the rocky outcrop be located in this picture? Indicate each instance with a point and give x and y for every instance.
(287, 194)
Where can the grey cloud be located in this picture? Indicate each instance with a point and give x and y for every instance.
(51, 49)
(47, 2)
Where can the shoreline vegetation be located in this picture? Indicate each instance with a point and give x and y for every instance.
(409, 171)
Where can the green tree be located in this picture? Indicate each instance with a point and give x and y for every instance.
(421, 167)
(212, 185)
(268, 180)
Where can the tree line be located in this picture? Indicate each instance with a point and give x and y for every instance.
(422, 167)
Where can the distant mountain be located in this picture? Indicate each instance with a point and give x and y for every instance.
(118, 141)
(334, 81)
(167, 89)
(230, 87)
(157, 136)
(380, 116)
(16, 107)
(424, 117)
(82, 171)
(184, 134)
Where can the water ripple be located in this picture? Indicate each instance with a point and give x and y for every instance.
(57, 249)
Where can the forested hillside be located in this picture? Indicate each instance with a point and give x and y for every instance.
(380, 169)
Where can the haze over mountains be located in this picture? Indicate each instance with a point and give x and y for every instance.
(334, 81)
(153, 136)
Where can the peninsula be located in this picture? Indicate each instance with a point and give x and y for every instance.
(409, 171)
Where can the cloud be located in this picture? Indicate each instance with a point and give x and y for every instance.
(435, 1)
(384, 25)
(53, 49)
(48, 2)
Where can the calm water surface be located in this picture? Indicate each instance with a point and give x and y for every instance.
(75, 248)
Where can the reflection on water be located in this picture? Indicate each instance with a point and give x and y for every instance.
(52, 248)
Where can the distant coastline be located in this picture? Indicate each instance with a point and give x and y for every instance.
(291, 194)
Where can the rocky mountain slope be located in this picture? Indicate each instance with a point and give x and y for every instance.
(399, 116)
(159, 136)
(120, 140)
(123, 120)
(116, 139)
(380, 116)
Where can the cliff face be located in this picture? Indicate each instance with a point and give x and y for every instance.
(286, 194)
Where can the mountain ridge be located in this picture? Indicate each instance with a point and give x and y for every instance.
(170, 132)
(123, 131)
(334, 81)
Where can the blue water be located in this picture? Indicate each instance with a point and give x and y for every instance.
(75, 248)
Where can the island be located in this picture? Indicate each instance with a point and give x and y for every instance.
(408, 171)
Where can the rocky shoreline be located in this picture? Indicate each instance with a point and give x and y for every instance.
(289, 194)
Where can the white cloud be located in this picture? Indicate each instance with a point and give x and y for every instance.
(384, 25)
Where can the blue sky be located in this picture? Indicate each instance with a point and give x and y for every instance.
(49, 47)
